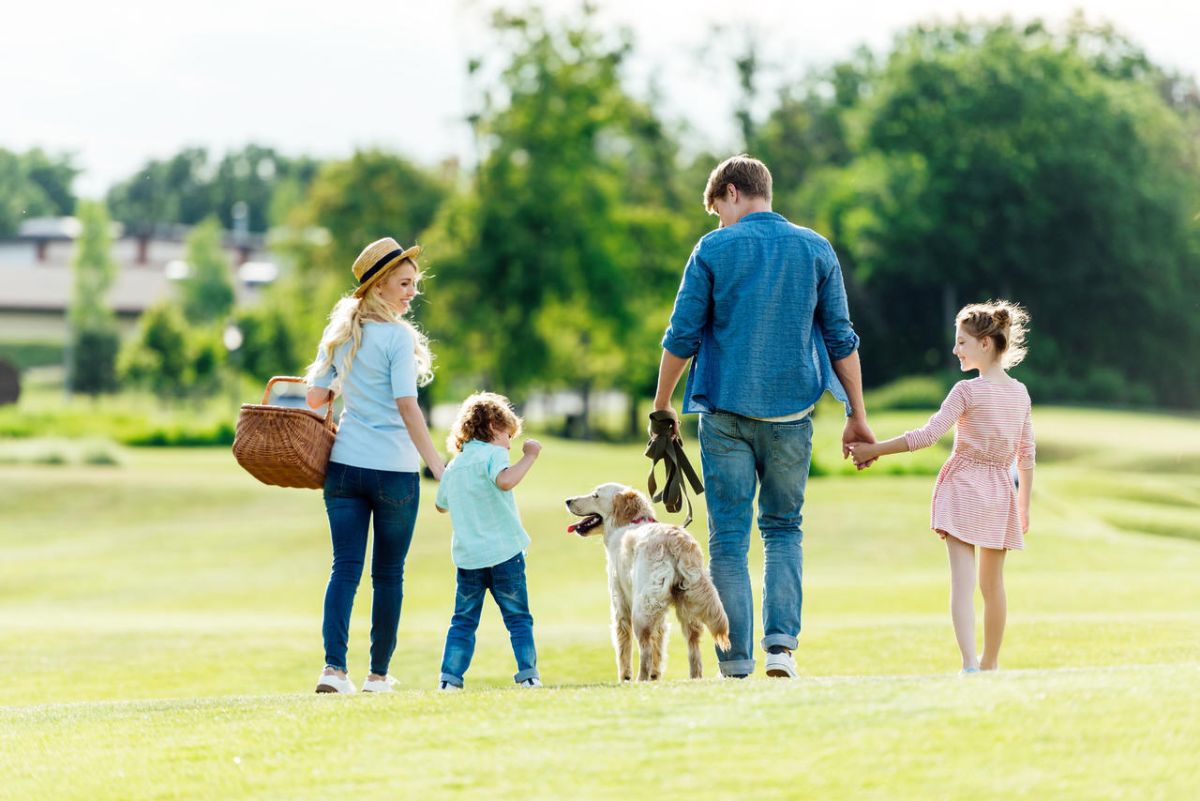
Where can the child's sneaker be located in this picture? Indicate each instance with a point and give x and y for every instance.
(383, 685)
(333, 683)
(447, 687)
(532, 681)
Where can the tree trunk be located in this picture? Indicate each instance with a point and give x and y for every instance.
(635, 419)
(585, 391)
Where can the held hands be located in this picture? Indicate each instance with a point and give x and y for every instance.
(864, 454)
(531, 447)
(858, 439)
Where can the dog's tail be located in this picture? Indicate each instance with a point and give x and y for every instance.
(711, 610)
(702, 595)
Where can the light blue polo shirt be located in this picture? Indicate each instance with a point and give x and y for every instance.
(487, 528)
(371, 432)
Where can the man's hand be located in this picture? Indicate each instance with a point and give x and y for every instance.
(674, 419)
(531, 447)
(857, 430)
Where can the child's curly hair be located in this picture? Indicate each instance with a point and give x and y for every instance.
(1004, 321)
(480, 415)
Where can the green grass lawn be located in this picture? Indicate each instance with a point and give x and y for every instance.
(160, 636)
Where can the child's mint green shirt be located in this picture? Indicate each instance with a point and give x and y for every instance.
(487, 528)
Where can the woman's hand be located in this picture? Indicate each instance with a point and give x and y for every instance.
(318, 397)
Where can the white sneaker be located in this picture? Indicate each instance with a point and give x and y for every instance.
(333, 683)
(782, 665)
(447, 687)
(383, 685)
(530, 682)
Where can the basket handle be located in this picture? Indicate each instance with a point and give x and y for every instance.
(291, 379)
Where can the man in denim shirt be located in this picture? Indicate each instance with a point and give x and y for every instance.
(762, 314)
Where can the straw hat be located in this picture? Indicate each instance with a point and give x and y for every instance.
(376, 259)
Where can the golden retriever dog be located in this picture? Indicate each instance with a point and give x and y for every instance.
(651, 566)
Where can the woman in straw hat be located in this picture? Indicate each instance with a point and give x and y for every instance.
(376, 359)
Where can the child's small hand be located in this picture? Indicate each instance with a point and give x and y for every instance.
(862, 453)
(1024, 522)
(531, 447)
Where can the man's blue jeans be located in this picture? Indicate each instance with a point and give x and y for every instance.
(737, 453)
(352, 496)
(506, 581)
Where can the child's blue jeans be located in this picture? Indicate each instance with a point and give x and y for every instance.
(506, 581)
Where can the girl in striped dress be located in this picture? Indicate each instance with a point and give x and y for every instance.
(974, 503)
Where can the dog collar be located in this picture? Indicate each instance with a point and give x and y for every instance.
(639, 520)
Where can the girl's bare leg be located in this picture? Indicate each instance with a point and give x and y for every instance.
(962, 597)
(995, 605)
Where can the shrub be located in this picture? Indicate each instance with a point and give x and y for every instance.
(910, 392)
(31, 354)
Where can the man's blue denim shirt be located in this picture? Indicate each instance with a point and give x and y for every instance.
(762, 307)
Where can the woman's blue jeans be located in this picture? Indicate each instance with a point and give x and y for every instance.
(506, 581)
(736, 454)
(353, 496)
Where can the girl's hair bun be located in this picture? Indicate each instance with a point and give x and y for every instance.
(1004, 322)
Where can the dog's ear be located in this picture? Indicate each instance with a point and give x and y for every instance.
(627, 505)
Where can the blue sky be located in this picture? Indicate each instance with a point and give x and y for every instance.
(119, 83)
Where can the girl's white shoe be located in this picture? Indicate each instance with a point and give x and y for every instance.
(383, 685)
(333, 683)
(530, 682)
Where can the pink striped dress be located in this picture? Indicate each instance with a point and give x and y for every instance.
(974, 499)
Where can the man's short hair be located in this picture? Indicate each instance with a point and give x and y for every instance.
(750, 176)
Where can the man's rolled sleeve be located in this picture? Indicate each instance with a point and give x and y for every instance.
(833, 311)
(693, 307)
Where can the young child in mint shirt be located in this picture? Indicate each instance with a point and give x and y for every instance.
(489, 541)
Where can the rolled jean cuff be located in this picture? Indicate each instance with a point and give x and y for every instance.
(527, 673)
(455, 680)
(336, 667)
(737, 667)
(787, 641)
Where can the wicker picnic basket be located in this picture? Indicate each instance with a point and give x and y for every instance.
(284, 446)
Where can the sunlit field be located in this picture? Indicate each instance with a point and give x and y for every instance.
(160, 638)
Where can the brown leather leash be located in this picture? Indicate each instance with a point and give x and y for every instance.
(667, 447)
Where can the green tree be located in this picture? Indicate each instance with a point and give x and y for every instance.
(268, 345)
(997, 159)
(34, 184)
(189, 187)
(207, 291)
(537, 261)
(253, 176)
(94, 339)
(175, 191)
(350, 203)
(158, 358)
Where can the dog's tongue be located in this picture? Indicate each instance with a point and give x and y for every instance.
(571, 528)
